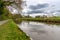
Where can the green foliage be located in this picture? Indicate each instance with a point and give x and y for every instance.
(1, 6)
(4, 12)
(16, 16)
(37, 17)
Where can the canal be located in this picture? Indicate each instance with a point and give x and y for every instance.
(41, 31)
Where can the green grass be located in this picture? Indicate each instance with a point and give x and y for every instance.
(10, 31)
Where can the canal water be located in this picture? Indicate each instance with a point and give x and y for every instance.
(41, 31)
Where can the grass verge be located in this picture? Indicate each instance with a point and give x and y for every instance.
(10, 31)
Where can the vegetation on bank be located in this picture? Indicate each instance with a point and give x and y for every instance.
(10, 31)
(47, 20)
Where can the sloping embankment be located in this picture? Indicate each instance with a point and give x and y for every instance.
(10, 31)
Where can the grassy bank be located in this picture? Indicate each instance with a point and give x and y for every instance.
(47, 20)
(10, 31)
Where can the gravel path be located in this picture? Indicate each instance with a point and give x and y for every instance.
(2, 22)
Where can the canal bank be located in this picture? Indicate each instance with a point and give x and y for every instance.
(10, 31)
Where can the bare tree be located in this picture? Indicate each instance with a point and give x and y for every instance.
(16, 4)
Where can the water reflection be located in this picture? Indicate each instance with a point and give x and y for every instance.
(41, 31)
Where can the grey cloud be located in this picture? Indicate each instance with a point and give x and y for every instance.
(42, 8)
(57, 10)
(38, 6)
(35, 11)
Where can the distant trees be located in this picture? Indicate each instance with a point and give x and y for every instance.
(38, 17)
(41, 16)
(28, 16)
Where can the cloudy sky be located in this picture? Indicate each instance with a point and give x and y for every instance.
(42, 7)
